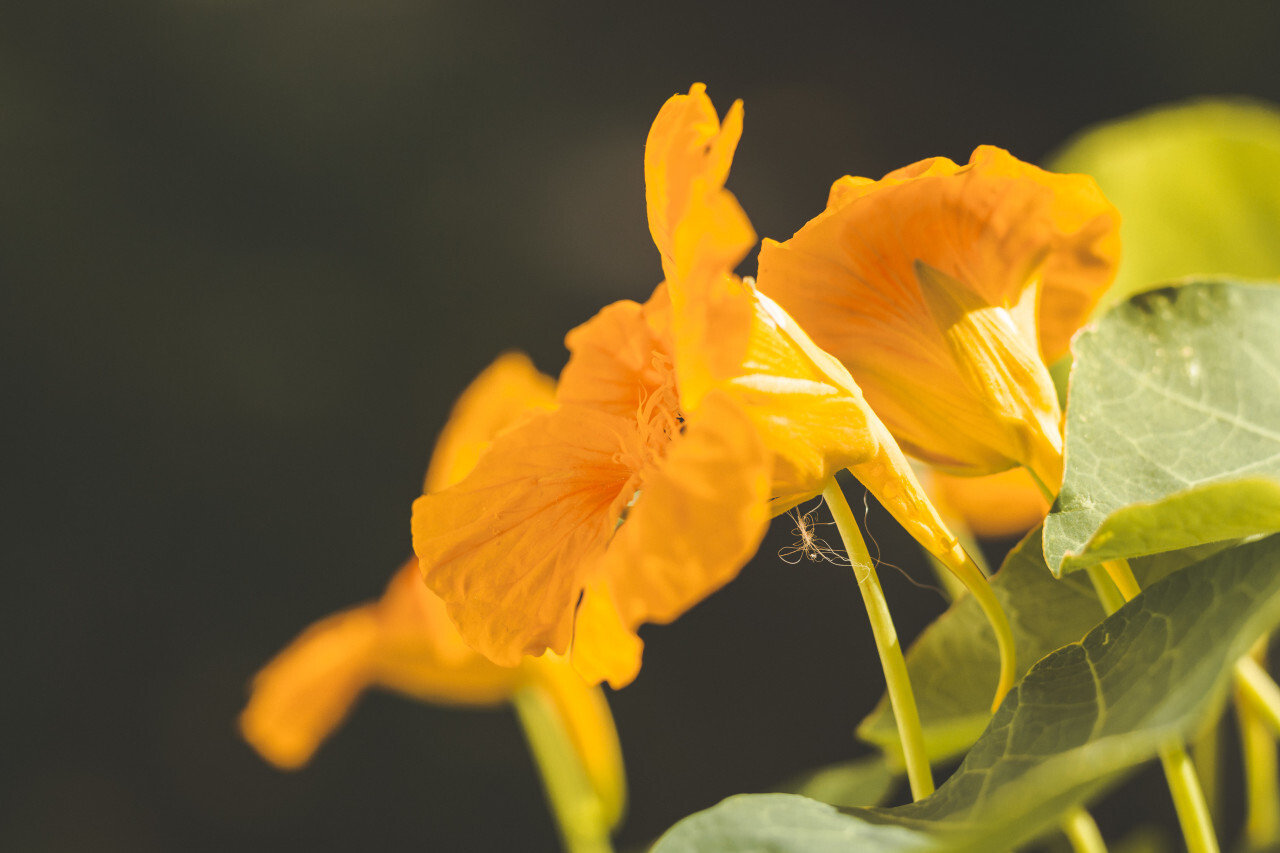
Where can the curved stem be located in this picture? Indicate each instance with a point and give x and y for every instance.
(1261, 693)
(1122, 576)
(579, 814)
(1258, 712)
(1110, 597)
(897, 682)
(964, 568)
(1184, 783)
(1082, 832)
(1188, 800)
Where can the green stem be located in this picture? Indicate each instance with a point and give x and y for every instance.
(1188, 799)
(1205, 755)
(1106, 591)
(1258, 712)
(579, 814)
(1184, 783)
(1082, 832)
(1260, 692)
(898, 685)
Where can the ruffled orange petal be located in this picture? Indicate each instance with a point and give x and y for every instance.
(510, 547)
(504, 394)
(687, 144)
(998, 227)
(699, 518)
(620, 358)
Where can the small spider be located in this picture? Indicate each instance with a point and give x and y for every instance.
(810, 545)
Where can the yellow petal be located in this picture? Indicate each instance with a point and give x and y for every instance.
(604, 648)
(510, 547)
(687, 144)
(503, 395)
(1002, 370)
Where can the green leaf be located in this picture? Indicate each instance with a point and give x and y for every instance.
(1174, 390)
(1197, 186)
(1233, 509)
(1148, 675)
(865, 781)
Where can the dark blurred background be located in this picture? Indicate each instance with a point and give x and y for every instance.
(251, 251)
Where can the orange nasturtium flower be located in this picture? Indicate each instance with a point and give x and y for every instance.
(405, 641)
(946, 290)
(683, 424)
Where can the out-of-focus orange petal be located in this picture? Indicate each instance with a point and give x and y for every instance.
(996, 225)
(306, 691)
(510, 546)
(1004, 504)
(404, 642)
(504, 394)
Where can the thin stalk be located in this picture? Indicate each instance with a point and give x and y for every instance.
(1257, 702)
(1082, 832)
(1258, 689)
(1122, 576)
(580, 816)
(1206, 752)
(1111, 597)
(964, 568)
(1179, 771)
(897, 683)
(1188, 800)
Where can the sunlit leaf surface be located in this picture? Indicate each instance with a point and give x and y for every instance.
(1172, 391)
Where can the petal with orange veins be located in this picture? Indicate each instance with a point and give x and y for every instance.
(620, 357)
(503, 395)
(420, 653)
(509, 547)
(700, 516)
